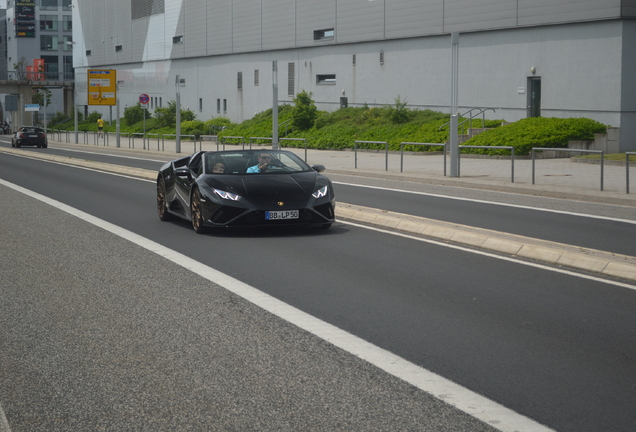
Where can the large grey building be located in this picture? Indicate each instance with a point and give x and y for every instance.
(554, 58)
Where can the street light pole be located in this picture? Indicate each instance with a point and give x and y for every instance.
(178, 114)
(275, 105)
(454, 115)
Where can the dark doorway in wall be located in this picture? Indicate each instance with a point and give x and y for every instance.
(534, 96)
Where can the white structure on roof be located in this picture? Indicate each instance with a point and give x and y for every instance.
(554, 58)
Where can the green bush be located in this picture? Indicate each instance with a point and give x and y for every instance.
(536, 132)
(304, 113)
(167, 116)
(135, 114)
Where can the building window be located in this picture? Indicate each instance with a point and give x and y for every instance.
(88, 53)
(224, 106)
(48, 43)
(381, 57)
(291, 76)
(326, 79)
(68, 43)
(160, 101)
(69, 73)
(200, 104)
(239, 81)
(256, 77)
(48, 22)
(48, 4)
(325, 34)
(51, 67)
(177, 39)
(218, 105)
(118, 48)
(354, 59)
(67, 23)
(67, 4)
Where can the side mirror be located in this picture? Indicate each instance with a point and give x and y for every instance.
(318, 168)
(182, 173)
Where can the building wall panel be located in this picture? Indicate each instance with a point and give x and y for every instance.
(219, 28)
(628, 8)
(175, 9)
(359, 21)
(467, 15)
(410, 18)
(195, 30)
(314, 15)
(536, 12)
(279, 24)
(246, 25)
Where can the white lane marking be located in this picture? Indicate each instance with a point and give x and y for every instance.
(480, 407)
(498, 203)
(492, 255)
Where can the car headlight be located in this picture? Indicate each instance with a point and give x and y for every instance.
(320, 192)
(227, 195)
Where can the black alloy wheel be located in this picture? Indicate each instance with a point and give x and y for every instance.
(196, 212)
(162, 209)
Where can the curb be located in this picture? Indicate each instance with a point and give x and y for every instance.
(552, 253)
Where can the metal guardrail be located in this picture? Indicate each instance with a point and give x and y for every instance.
(297, 139)
(512, 158)
(259, 139)
(627, 154)
(602, 153)
(223, 140)
(214, 138)
(386, 151)
(402, 144)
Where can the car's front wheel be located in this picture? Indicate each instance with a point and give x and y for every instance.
(196, 212)
(162, 207)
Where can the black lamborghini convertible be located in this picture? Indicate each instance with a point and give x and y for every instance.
(245, 188)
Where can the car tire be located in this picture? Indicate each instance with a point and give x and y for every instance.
(18, 145)
(196, 213)
(162, 205)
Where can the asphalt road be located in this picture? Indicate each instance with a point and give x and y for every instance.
(555, 347)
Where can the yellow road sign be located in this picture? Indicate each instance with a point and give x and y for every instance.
(102, 87)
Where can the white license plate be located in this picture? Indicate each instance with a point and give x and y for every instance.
(33, 136)
(282, 214)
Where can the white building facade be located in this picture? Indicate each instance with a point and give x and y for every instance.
(554, 58)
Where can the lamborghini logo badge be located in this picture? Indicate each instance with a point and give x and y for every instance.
(280, 203)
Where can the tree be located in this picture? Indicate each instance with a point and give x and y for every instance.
(167, 117)
(304, 114)
(20, 69)
(41, 96)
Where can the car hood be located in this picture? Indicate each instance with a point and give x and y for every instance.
(264, 186)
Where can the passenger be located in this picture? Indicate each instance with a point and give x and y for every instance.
(262, 165)
(218, 168)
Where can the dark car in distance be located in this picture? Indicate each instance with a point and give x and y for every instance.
(29, 136)
(245, 188)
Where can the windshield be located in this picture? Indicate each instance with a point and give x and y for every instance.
(253, 162)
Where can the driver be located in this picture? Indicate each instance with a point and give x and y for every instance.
(264, 163)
